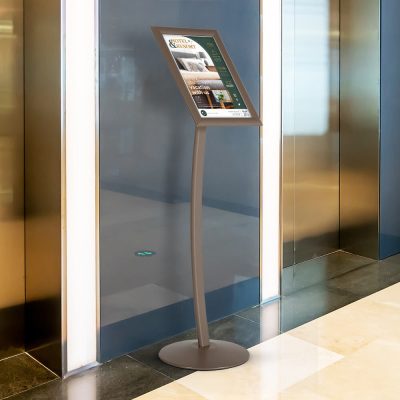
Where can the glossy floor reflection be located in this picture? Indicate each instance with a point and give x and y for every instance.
(326, 341)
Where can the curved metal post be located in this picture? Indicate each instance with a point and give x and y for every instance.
(196, 233)
(202, 354)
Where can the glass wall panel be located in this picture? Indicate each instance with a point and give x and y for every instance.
(389, 134)
(146, 139)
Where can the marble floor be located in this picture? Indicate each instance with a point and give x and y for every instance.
(323, 341)
(20, 373)
(351, 353)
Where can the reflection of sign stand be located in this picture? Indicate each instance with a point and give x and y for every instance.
(194, 46)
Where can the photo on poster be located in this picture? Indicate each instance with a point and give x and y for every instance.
(206, 76)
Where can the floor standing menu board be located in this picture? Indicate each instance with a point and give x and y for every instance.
(214, 94)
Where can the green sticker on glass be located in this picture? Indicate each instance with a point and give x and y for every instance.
(145, 253)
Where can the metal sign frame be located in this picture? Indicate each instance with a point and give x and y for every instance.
(254, 120)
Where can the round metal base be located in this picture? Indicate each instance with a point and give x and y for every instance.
(219, 355)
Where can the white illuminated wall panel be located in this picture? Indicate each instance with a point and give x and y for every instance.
(271, 43)
(80, 22)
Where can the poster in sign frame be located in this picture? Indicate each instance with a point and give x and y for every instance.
(206, 77)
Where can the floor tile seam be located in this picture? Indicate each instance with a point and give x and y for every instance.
(13, 356)
(284, 334)
(224, 318)
(372, 262)
(152, 368)
(389, 262)
(340, 357)
(181, 382)
(360, 300)
(371, 297)
(325, 285)
(189, 388)
(325, 282)
(344, 353)
(324, 256)
(348, 355)
(385, 303)
(28, 390)
(247, 319)
(302, 381)
(201, 396)
(322, 284)
(343, 292)
(314, 320)
(356, 255)
(368, 261)
(305, 379)
(368, 301)
(48, 369)
(186, 387)
(292, 333)
(342, 363)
